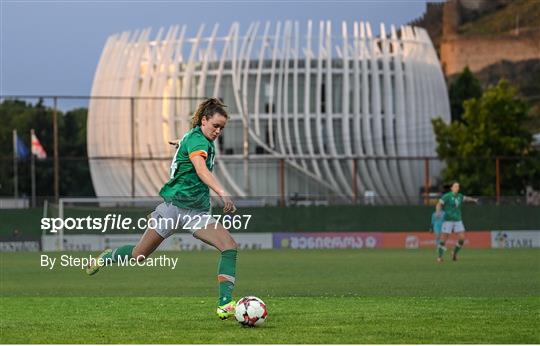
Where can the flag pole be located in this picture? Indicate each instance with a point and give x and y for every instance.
(15, 166)
(55, 143)
(32, 169)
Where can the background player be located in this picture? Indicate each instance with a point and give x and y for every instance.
(437, 220)
(451, 203)
(186, 198)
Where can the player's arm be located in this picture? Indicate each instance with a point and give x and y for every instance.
(175, 143)
(470, 199)
(208, 178)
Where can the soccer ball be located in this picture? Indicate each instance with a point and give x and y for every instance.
(250, 311)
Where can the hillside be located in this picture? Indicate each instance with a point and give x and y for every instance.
(496, 39)
(516, 17)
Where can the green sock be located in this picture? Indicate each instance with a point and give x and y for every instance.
(226, 275)
(120, 252)
(441, 248)
(458, 246)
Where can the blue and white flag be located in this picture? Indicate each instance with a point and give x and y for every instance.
(21, 150)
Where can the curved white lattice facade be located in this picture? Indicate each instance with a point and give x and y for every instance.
(315, 95)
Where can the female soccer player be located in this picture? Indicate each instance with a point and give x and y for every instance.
(450, 203)
(186, 198)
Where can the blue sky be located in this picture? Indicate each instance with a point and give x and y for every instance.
(53, 47)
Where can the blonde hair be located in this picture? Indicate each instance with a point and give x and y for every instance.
(207, 109)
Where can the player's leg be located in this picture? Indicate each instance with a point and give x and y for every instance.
(460, 230)
(217, 236)
(445, 232)
(165, 216)
(148, 243)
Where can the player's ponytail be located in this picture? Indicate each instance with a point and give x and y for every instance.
(207, 109)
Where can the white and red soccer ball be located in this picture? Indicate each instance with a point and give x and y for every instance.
(250, 311)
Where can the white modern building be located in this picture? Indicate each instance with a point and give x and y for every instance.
(315, 94)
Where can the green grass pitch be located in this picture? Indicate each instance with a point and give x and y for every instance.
(316, 296)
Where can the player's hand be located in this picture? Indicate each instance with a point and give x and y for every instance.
(229, 206)
(175, 143)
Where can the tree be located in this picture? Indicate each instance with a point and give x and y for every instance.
(465, 87)
(74, 170)
(76, 181)
(492, 126)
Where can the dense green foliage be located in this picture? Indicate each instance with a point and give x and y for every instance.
(492, 125)
(319, 296)
(465, 87)
(74, 170)
(524, 75)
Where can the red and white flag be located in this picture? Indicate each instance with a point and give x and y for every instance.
(37, 148)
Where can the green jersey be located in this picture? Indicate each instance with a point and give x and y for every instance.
(185, 189)
(452, 206)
